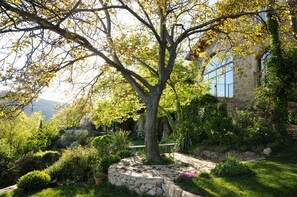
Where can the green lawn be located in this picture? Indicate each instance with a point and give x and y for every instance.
(105, 190)
(276, 176)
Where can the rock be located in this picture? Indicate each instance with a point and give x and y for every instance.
(209, 154)
(267, 151)
(249, 156)
(232, 153)
(159, 192)
(152, 192)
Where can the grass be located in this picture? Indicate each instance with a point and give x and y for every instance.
(276, 176)
(104, 190)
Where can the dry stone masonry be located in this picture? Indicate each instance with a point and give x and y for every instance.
(156, 180)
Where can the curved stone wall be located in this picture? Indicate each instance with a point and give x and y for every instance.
(156, 180)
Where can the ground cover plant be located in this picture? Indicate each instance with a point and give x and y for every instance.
(275, 176)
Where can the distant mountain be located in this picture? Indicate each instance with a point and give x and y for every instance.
(47, 107)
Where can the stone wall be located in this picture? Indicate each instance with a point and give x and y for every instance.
(245, 78)
(156, 180)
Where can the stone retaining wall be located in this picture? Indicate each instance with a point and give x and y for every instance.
(155, 180)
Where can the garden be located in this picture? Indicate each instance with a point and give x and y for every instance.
(52, 169)
(143, 76)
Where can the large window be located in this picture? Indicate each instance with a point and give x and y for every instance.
(263, 68)
(219, 74)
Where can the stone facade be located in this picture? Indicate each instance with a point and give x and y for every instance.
(245, 75)
(245, 78)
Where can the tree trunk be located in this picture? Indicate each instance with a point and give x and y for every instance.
(152, 148)
(279, 74)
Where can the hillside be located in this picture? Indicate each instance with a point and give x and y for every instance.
(47, 107)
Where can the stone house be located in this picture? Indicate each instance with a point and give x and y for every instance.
(232, 78)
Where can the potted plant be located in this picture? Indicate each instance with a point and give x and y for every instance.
(99, 175)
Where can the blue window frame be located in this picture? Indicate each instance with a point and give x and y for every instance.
(219, 74)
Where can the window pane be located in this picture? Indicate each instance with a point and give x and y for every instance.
(229, 77)
(220, 75)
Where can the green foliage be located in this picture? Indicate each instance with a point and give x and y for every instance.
(111, 143)
(275, 176)
(70, 115)
(103, 144)
(37, 161)
(80, 190)
(230, 168)
(7, 174)
(206, 121)
(23, 134)
(120, 140)
(163, 161)
(108, 161)
(181, 87)
(42, 138)
(35, 180)
(169, 139)
(98, 171)
(70, 138)
(184, 141)
(121, 103)
(124, 154)
(75, 165)
(204, 175)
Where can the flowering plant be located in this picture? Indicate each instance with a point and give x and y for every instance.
(188, 175)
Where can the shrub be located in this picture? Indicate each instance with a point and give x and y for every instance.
(6, 171)
(204, 175)
(47, 155)
(35, 180)
(108, 161)
(124, 154)
(119, 140)
(231, 167)
(75, 165)
(36, 161)
(103, 144)
(206, 121)
(111, 143)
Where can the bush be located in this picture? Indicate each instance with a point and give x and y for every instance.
(108, 161)
(36, 161)
(204, 175)
(120, 140)
(6, 170)
(124, 154)
(75, 165)
(48, 155)
(231, 167)
(103, 144)
(205, 121)
(111, 143)
(35, 180)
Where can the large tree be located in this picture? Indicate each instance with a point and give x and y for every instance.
(41, 37)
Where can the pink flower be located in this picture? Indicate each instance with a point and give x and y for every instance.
(188, 175)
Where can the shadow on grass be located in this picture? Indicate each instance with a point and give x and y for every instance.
(104, 190)
(273, 177)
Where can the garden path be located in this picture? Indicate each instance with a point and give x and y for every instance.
(8, 189)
